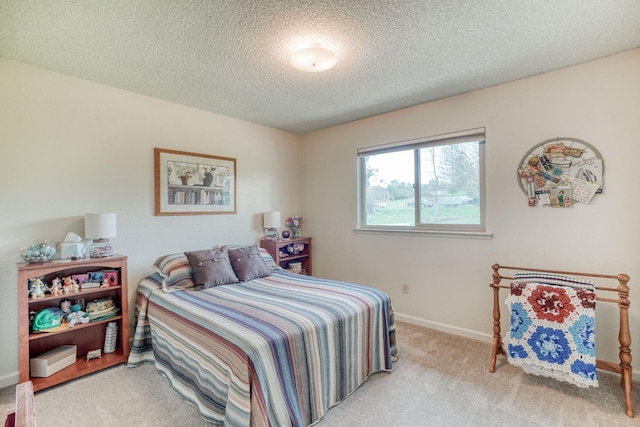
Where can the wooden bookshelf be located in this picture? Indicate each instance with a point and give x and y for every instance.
(87, 336)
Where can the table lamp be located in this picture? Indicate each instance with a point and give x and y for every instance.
(100, 227)
(271, 222)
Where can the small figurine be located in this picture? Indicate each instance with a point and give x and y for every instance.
(38, 288)
(65, 305)
(94, 354)
(67, 287)
(56, 287)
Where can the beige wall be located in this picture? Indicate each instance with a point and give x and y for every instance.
(69, 147)
(598, 102)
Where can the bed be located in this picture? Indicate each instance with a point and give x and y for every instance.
(278, 350)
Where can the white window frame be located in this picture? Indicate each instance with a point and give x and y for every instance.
(439, 230)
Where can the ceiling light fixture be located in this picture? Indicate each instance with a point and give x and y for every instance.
(314, 59)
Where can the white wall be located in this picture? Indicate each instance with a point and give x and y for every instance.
(69, 147)
(598, 102)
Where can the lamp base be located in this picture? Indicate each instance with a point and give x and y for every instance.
(100, 248)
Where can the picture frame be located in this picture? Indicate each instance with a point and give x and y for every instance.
(111, 277)
(80, 279)
(194, 184)
(95, 277)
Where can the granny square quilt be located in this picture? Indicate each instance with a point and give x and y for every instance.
(553, 331)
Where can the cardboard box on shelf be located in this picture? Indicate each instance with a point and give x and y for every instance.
(47, 364)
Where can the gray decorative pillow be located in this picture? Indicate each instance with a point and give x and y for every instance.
(248, 263)
(211, 267)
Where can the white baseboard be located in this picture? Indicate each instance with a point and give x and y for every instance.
(455, 330)
(468, 333)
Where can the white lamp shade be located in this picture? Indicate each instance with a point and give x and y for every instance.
(100, 226)
(314, 59)
(271, 219)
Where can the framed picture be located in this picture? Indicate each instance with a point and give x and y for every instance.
(95, 277)
(80, 279)
(194, 184)
(110, 277)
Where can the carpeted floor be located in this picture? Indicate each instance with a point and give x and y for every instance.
(439, 380)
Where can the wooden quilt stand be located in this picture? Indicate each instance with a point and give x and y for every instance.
(624, 335)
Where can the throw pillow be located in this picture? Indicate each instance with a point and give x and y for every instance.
(175, 271)
(248, 263)
(211, 267)
(268, 259)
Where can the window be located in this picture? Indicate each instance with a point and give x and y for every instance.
(430, 184)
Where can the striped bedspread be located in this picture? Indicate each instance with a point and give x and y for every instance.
(276, 351)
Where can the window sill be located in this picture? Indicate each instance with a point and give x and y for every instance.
(427, 233)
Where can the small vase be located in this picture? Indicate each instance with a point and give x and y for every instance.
(295, 232)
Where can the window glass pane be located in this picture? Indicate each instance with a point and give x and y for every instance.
(435, 184)
(388, 188)
(450, 184)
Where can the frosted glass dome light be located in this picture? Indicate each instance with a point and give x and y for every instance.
(314, 59)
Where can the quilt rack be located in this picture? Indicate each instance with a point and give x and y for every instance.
(624, 335)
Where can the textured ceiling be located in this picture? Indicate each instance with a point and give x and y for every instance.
(232, 56)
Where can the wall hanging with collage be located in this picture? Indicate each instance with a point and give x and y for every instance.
(560, 172)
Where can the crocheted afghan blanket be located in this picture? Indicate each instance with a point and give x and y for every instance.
(553, 327)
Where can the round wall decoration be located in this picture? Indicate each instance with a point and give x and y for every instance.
(559, 172)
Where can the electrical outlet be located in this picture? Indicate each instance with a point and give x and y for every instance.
(405, 288)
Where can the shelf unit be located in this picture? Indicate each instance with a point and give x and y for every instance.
(277, 249)
(88, 336)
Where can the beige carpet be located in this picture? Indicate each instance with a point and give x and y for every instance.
(439, 380)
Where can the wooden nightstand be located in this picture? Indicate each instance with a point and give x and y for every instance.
(283, 252)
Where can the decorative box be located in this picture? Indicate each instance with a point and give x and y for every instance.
(52, 361)
(296, 267)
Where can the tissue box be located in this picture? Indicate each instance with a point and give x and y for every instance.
(71, 250)
(52, 361)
